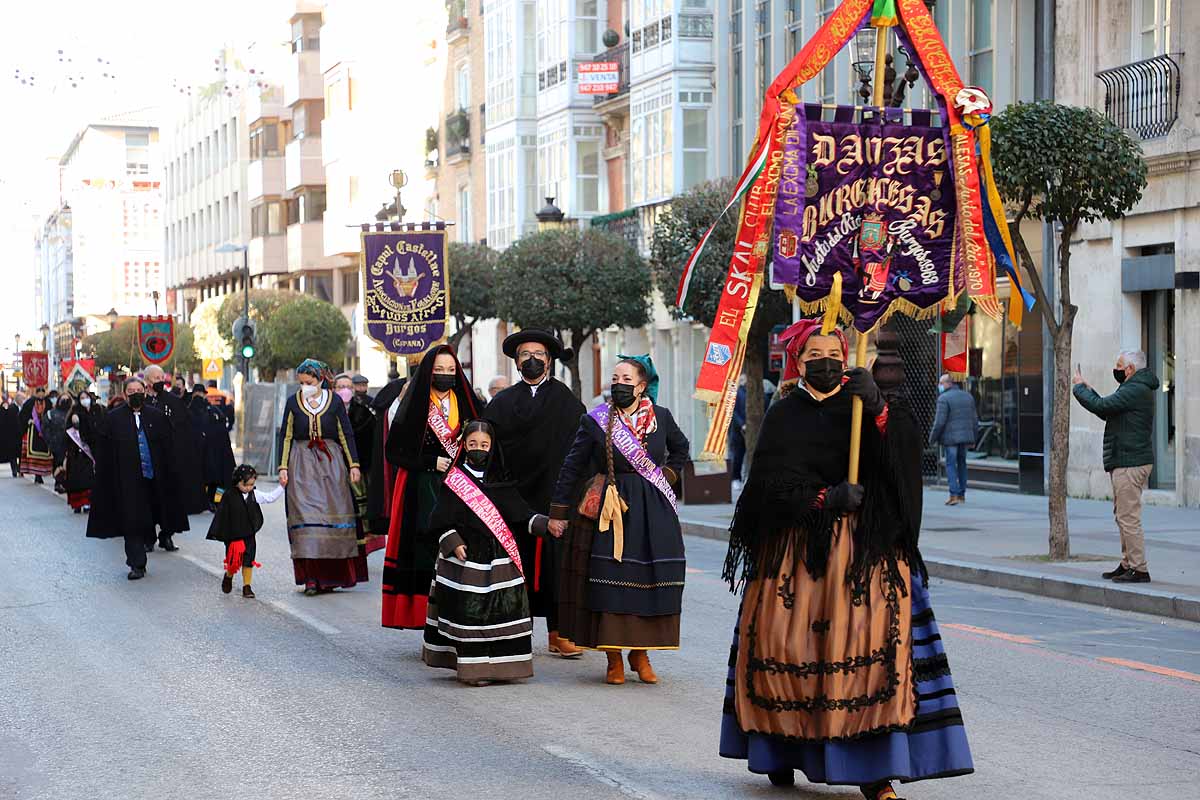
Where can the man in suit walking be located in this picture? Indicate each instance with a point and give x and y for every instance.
(954, 427)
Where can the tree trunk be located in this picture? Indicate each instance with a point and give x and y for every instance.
(1060, 444)
(754, 369)
(578, 337)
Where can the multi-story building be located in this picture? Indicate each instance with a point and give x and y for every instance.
(206, 144)
(368, 132)
(461, 167)
(1128, 61)
(101, 248)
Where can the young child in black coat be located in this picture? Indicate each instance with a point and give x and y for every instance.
(237, 520)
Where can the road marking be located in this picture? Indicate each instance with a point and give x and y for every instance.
(1138, 665)
(312, 622)
(1008, 637)
(598, 772)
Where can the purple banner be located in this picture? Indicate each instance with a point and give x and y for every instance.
(872, 201)
(406, 297)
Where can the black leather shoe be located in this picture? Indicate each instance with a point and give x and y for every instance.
(227, 583)
(136, 574)
(1133, 576)
(782, 777)
(165, 543)
(1116, 573)
(247, 592)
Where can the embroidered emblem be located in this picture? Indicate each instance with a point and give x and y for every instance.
(718, 354)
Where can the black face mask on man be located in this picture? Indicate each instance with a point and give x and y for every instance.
(823, 374)
(158, 386)
(444, 383)
(532, 368)
(623, 395)
(1119, 375)
(477, 459)
(136, 400)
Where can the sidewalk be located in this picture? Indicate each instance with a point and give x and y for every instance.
(999, 539)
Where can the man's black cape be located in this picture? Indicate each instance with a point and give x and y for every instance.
(10, 433)
(208, 423)
(184, 468)
(377, 476)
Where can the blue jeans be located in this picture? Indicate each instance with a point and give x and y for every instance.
(956, 469)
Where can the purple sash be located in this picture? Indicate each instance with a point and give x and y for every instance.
(74, 436)
(627, 445)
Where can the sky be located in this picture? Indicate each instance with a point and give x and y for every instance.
(121, 55)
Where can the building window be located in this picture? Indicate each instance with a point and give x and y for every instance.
(552, 165)
(350, 287)
(499, 60)
(311, 201)
(462, 86)
(587, 176)
(235, 218)
(651, 148)
(269, 218)
(795, 27)
(551, 42)
(306, 119)
(464, 213)
(695, 147)
(981, 52)
(735, 44)
(137, 153)
(233, 139)
(264, 140)
(762, 53)
(1152, 28)
(587, 27)
(501, 177)
(827, 80)
(305, 36)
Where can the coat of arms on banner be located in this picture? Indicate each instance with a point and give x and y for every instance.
(406, 294)
(156, 338)
(35, 368)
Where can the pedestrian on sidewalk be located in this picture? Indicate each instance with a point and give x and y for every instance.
(536, 420)
(132, 491)
(837, 667)
(421, 444)
(624, 564)
(318, 463)
(1128, 415)
(10, 432)
(479, 621)
(236, 523)
(955, 428)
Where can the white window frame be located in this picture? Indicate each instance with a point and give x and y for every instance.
(974, 51)
(652, 144)
(463, 201)
(1160, 27)
(696, 100)
(500, 64)
(826, 83)
(462, 85)
(589, 135)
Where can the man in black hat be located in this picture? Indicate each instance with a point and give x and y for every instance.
(536, 420)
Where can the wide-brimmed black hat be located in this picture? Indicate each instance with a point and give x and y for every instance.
(554, 345)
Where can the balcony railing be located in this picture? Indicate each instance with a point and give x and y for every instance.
(623, 223)
(619, 54)
(458, 133)
(1143, 96)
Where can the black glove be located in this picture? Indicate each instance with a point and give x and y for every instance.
(860, 383)
(844, 497)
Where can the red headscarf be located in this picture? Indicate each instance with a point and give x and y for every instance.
(795, 337)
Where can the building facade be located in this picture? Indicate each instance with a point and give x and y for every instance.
(1129, 59)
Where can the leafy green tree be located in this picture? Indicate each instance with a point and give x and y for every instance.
(306, 327)
(472, 286)
(263, 305)
(1068, 166)
(573, 281)
(676, 235)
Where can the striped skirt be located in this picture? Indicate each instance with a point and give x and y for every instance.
(33, 461)
(933, 746)
(477, 620)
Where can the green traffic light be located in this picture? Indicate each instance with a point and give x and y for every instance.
(248, 351)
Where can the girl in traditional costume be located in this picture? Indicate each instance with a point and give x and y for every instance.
(837, 666)
(79, 462)
(623, 571)
(238, 519)
(34, 421)
(479, 622)
(318, 462)
(422, 444)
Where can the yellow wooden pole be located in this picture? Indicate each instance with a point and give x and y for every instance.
(860, 339)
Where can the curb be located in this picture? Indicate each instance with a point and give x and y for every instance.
(1076, 590)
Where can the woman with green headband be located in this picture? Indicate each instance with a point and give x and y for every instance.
(622, 580)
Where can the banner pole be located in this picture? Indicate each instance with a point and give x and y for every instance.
(860, 339)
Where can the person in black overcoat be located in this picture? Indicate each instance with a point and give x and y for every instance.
(184, 470)
(10, 433)
(208, 422)
(133, 494)
(381, 477)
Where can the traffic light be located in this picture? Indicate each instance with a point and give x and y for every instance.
(248, 340)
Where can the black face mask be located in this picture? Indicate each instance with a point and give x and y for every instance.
(622, 395)
(823, 374)
(157, 386)
(532, 368)
(136, 400)
(444, 383)
(1119, 375)
(477, 459)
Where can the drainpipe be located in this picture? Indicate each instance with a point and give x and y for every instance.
(1044, 90)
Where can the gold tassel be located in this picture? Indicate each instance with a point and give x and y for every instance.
(611, 516)
(834, 306)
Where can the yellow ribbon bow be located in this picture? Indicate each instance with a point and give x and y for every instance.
(611, 516)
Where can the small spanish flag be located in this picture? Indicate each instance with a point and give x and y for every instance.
(883, 15)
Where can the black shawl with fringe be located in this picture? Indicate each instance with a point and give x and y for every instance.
(803, 448)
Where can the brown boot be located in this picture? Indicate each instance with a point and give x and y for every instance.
(562, 647)
(640, 663)
(616, 669)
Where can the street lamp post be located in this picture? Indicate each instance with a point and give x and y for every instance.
(245, 251)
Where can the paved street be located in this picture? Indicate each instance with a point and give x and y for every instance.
(168, 689)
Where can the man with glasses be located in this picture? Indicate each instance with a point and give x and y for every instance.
(536, 419)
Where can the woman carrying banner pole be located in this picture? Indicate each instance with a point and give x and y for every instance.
(623, 564)
(837, 668)
(422, 444)
(317, 464)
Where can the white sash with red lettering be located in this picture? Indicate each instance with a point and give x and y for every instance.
(466, 490)
(441, 429)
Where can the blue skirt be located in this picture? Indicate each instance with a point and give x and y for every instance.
(935, 746)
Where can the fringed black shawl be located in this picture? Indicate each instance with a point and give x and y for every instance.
(803, 448)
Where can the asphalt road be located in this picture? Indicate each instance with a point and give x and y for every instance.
(169, 689)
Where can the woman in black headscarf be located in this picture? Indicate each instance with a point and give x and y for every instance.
(422, 445)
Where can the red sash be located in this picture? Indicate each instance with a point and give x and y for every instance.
(441, 429)
(466, 490)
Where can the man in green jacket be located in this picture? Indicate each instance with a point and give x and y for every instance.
(1128, 415)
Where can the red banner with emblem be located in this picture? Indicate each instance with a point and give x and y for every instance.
(35, 368)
